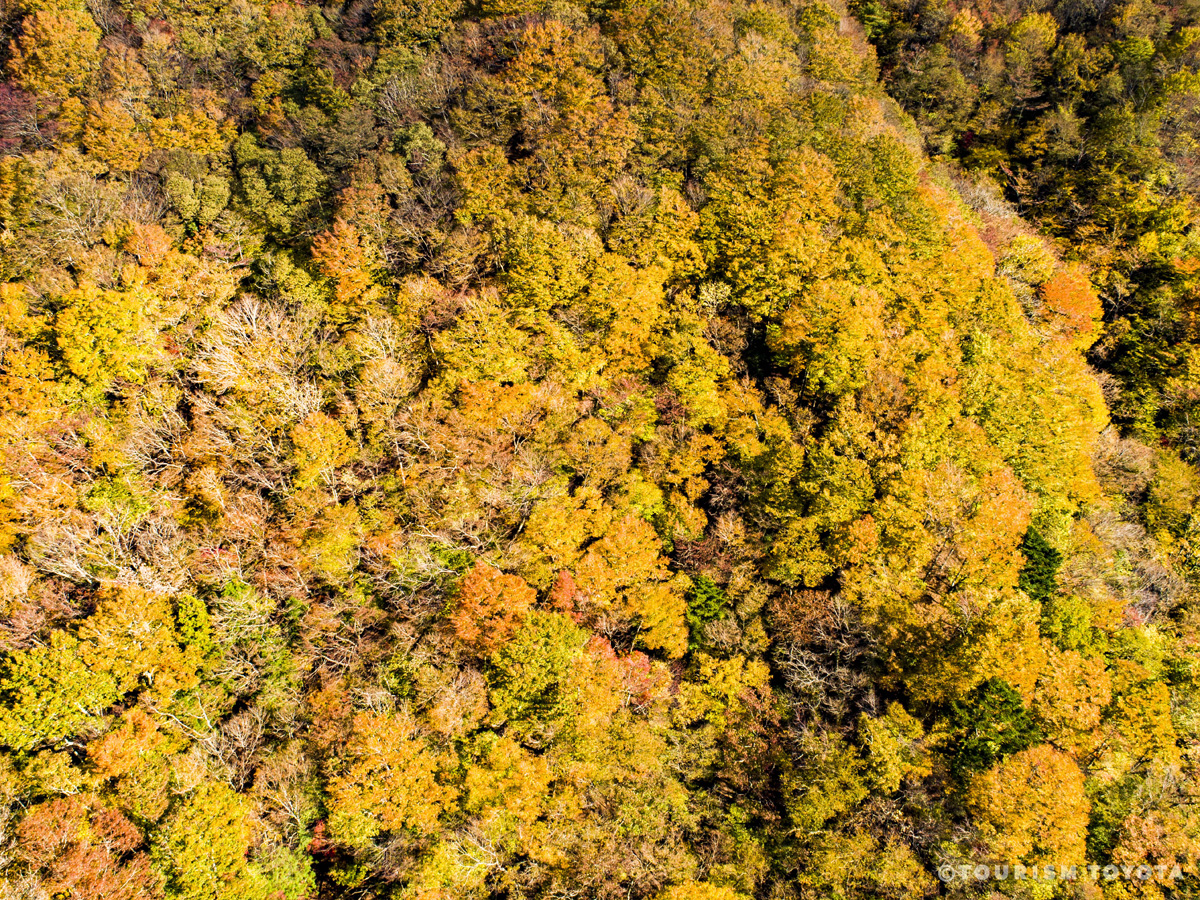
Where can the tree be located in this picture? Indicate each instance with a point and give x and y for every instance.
(764, 229)
(990, 724)
(389, 782)
(1032, 807)
(699, 890)
(57, 54)
(490, 606)
(706, 603)
(546, 265)
(198, 200)
(1039, 576)
(624, 569)
(859, 864)
(532, 678)
(319, 446)
(1070, 696)
(81, 849)
(135, 638)
(331, 545)
(507, 791)
(404, 23)
(1072, 306)
(135, 758)
(201, 847)
(49, 693)
(112, 135)
(344, 256)
(279, 186)
(1138, 721)
(828, 334)
(894, 748)
(826, 781)
(105, 335)
(553, 104)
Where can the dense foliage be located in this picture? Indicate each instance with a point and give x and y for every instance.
(1087, 115)
(558, 451)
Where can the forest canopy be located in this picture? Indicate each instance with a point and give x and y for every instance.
(522, 450)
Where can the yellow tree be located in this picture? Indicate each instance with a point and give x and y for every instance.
(49, 693)
(319, 446)
(57, 53)
(389, 782)
(766, 229)
(104, 335)
(699, 890)
(507, 791)
(624, 570)
(134, 638)
(112, 135)
(563, 114)
(1138, 723)
(1032, 807)
(202, 845)
(1070, 695)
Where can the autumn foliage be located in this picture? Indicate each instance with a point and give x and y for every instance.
(524, 450)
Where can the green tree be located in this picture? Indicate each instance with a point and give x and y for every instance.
(991, 723)
(707, 602)
(50, 693)
(281, 187)
(532, 678)
(202, 845)
(1039, 577)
